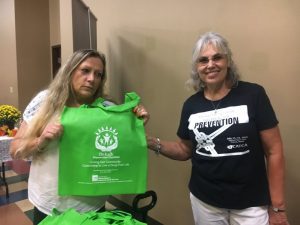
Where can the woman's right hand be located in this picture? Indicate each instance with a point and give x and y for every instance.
(52, 131)
(18, 151)
(141, 112)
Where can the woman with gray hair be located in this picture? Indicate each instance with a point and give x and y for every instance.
(79, 81)
(230, 132)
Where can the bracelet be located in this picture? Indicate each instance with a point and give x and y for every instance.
(277, 210)
(158, 146)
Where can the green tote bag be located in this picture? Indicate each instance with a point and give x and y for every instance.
(103, 150)
(72, 217)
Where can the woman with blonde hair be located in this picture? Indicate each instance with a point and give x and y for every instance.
(79, 81)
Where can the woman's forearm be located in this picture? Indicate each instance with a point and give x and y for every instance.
(177, 150)
(17, 151)
(276, 179)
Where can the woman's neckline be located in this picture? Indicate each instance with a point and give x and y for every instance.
(216, 96)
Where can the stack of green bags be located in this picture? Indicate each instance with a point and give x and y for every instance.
(72, 217)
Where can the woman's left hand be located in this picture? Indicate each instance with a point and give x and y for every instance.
(278, 218)
(141, 112)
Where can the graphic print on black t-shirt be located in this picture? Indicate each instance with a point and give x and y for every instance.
(210, 124)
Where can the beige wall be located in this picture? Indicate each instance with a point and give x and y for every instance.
(148, 45)
(54, 22)
(28, 29)
(66, 29)
(25, 46)
(33, 48)
(8, 62)
(54, 15)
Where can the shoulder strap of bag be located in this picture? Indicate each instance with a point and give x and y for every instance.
(131, 100)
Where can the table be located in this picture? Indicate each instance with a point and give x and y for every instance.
(4, 148)
(4, 157)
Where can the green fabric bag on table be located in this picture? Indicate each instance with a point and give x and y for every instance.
(103, 150)
(72, 217)
(116, 217)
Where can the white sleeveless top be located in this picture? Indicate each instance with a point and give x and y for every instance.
(43, 176)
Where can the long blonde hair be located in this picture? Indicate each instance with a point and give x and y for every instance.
(58, 92)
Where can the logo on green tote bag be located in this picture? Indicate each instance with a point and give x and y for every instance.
(106, 139)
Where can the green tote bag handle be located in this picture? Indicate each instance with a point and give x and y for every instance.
(131, 100)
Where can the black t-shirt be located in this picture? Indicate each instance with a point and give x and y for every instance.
(228, 163)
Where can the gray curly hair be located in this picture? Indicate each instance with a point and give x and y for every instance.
(222, 45)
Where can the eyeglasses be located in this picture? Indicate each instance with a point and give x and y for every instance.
(203, 60)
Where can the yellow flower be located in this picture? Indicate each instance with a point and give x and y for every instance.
(9, 114)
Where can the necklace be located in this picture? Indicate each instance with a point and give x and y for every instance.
(216, 106)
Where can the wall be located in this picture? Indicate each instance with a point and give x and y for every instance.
(54, 15)
(8, 62)
(54, 20)
(33, 48)
(66, 30)
(148, 46)
(25, 44)
(28, 29)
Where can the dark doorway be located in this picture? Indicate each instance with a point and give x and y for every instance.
(56, 59)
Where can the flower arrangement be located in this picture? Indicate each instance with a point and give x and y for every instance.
(9, 116)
